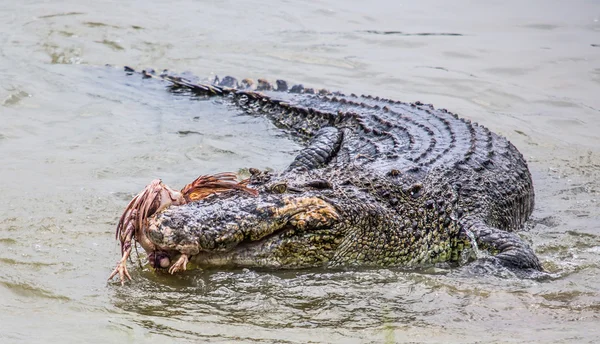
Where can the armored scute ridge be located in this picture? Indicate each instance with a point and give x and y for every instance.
(378, 183)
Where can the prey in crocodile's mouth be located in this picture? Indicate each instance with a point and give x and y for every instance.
(156, 197)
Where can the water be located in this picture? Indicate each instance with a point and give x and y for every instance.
(77, 142)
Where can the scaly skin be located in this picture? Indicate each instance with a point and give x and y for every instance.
(379, 183)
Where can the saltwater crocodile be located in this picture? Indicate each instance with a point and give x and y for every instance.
(379, 183)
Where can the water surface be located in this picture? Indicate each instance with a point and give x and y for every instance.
(77, 141)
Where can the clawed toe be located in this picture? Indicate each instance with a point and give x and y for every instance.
(121, 270)
(179, 265)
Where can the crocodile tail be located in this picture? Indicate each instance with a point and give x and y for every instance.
(198, 88)
(206, 185)
(177, 81)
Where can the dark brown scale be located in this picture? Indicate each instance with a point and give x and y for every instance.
(263, 85)
(297, 89)
(246, 84)
(282, 86)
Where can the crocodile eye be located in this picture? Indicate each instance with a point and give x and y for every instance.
(279, 188)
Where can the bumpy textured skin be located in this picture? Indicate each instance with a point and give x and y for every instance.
(379, 183)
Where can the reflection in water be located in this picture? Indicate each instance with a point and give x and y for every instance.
(347, 301)
(78, 142)
(280, 300)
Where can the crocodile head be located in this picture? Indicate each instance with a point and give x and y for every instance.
(326, 217)
(284, 226)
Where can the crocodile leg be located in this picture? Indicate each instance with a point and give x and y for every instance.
(507, 247)
(322, 148)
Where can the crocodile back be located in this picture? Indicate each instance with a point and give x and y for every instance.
(425, 144)
(409, 137)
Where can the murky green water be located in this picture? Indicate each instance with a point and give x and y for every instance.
(77, 142)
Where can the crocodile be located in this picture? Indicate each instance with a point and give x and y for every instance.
(377, 183)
